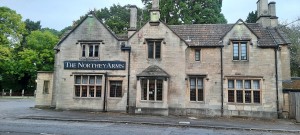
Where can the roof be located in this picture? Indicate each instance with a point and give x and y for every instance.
(279, 36)
(212, 34)
(153, 71)
(293, 84)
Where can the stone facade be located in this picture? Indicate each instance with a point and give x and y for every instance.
(200, 70)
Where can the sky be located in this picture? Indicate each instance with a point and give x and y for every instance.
(58, 14)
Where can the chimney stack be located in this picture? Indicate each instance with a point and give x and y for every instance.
(263, 16)
(272, 11)
(133, 20)
(154, 13)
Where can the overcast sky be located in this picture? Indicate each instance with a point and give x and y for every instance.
(58, 14)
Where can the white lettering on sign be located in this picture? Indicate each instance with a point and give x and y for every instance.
(100, 65)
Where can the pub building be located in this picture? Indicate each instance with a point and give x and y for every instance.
(192, 69)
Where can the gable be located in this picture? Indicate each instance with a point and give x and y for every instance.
(160, 31)
(90, 28)
(240, 31)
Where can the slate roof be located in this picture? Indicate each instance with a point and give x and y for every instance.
(153, 71)
(293, 84)
(212, 34)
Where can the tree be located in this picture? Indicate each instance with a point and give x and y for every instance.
(175, 12)
(252, 17)
(38, 55)
(293, 32)
(11, 27)
(116, 18)
(11, 30)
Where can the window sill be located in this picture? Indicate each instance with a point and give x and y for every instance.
(154, 59)
(151, 101)
(89, 58)
(87, 98)
(240, 60)
(115, 98)
(252, 104)
(202, 102)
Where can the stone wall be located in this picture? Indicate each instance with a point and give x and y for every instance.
(70, 50)
(44, 99)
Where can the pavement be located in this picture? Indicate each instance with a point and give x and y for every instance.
(13, 109)
(232, 123)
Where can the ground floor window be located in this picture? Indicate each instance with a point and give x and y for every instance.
(196, 89)
(115, 88)
(88, 85)
(244, 90)
(152, 89)
(46, 87)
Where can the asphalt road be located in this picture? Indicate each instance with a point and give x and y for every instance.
(12, 109)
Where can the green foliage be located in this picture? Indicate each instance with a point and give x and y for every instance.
(252, 17)
(25, 48)
(293, 32)
(175, 12)
(116, 18)
(11, 27)
(32, 26)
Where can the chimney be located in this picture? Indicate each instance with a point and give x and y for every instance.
(272, 11)
(263, 16)
(154, 13)
(133, 20)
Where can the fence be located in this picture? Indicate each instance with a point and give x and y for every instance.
(12, 93)
(295, 106)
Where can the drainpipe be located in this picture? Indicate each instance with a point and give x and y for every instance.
(105, 91)
(276, 75)
(127, 48)
(222, 93)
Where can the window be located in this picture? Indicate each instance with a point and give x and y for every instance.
(91, 49)
(88, 85)
(154, 49)
(197, 55)
(240, 51)
(152, 89)
(196, 89)
(115, 89)
(244, 91)
(46, 87)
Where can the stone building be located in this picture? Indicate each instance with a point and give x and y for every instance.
(195, 69)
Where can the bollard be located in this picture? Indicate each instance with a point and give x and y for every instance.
(22, 93)
(2, 92)
(10, 92)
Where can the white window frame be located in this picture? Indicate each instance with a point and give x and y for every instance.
(155, 89)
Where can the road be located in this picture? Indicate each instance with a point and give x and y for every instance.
(12, 109)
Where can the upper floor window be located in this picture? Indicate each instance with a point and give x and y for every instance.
(90, 50)
(154, 49)
(197, 55)
(240, 51)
